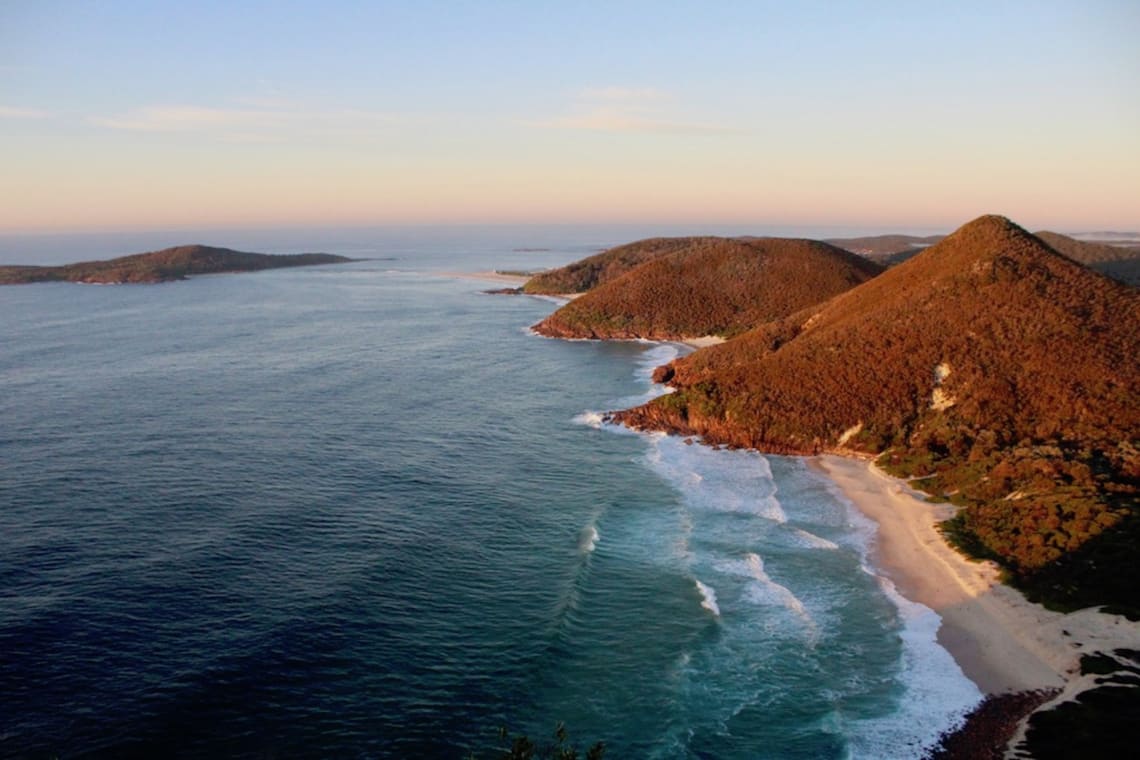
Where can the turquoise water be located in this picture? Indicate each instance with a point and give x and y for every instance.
(361, 510)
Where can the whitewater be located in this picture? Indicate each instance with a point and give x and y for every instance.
(362, 510)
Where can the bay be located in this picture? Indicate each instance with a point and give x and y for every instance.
(360, 510)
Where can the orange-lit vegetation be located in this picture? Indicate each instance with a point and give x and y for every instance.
(1119, 262)
(605, 266)
(1003, 371)
(709, 286)
(160, 266)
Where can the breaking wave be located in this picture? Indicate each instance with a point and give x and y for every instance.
(588, 539)
(807, 540)
(590, 419)
(708, 598)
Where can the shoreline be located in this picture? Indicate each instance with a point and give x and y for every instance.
(1002, 642)
(489, 276)
(515, 280)
(702, 341)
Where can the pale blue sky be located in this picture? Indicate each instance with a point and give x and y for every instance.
(126, 114)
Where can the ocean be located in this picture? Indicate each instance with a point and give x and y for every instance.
(361, 511)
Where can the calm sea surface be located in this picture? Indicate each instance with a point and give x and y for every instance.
(359, 511)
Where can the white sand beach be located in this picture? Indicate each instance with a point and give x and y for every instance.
(1002, 642)
(490, 276)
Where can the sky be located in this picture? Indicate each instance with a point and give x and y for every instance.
(129, 114)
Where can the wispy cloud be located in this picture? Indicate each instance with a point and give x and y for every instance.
(627, 109)
(257, 120)
(13, 112)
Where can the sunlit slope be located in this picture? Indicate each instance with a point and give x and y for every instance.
(1003, 369)
(711, 286)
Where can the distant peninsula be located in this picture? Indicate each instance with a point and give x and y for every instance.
(176, 263)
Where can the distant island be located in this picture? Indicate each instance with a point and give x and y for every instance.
(176, 263)
(993, 369)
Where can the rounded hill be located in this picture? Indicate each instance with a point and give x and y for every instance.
(587, 273)
(1002, 372)
(710, 286)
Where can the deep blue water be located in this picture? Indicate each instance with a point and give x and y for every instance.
(359, 511)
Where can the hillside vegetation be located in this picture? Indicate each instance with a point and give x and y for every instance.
(610, 264)
(161, 266)
(1001, 372)
(709, 286)
(1116, 261)
(1121, 262)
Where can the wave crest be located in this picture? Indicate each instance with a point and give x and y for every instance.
(588, 539)
(590, 419)
(708, 598)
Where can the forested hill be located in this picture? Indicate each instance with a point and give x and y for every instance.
(692, 287)
(1121, 262)
(160, 266)
(1117, 261)
(1001, 369)
(610, 264)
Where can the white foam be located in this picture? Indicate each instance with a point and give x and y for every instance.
(937, 694)
(588, 539)
(810, 540)
(765, 591)
(529, 330)
(660, 353)
(649, 360)
(708, 598)
(590, 419)
(712, 483)
(717, 481)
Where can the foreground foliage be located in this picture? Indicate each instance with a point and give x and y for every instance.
(1100, 722)
(521, 747)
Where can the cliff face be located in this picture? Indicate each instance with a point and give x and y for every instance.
(161, 266)
(710, 286)
(1000, 368)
